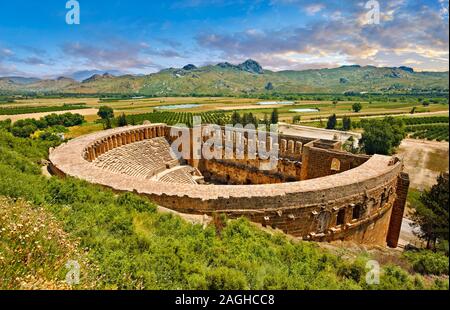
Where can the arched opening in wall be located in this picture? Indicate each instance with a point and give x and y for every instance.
(340, 219)
(335, 165)
(357, 210)
(384, 198)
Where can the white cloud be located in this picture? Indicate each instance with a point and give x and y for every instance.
(314, 9)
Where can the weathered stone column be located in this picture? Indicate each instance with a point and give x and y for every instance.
(283, 145)
(298, 147)
(110, 143)
(91, 155)
(398, 209)
(291, 146)
(105, 145)
(101, 148)
(95, 149)
(305, 163)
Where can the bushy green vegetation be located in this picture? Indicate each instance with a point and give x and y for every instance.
(106, 114)
(356, 107)
(382, 136)
(428, 262)
(431, 213)
(332, 122)
(134, 247)
(429, 128)
(26, 127)
(39, 109)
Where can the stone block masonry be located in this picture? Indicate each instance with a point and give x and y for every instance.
(395, 224)
(332, 195)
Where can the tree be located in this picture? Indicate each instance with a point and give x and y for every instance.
(356, 107)
(332, 121)
(122, 120)
(107, 123)
(266, 120)
(105, 112)
(346, 123)
(432, 214)
(382, 136)
(269, 86)
(274, 117)
(235, 118)
(296, 119)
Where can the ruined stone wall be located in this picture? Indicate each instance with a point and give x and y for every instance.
(250, 171)
(318, 162)
(355, 204)
(313, 216)
(398, 210)
(235, 172)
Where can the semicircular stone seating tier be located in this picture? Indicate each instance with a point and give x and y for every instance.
(144, 159)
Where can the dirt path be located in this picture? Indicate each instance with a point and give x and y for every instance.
(424, 161)
(14, 118)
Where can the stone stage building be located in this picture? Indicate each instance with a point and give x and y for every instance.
(316, 191)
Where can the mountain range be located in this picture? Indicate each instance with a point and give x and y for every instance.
(229, 79)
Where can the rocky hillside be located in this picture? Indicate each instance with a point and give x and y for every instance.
(246, 78)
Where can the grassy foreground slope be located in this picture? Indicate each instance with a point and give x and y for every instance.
(128, 245)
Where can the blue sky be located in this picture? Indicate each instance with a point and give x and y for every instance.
(139, 37)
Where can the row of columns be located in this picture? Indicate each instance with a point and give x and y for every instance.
(291, 147)
(106, 144)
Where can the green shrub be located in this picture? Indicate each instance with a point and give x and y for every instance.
(428, 262)
(223, 278)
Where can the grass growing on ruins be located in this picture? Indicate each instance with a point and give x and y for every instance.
(134, 247)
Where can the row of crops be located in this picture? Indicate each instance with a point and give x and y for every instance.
(426, 120)
(438, 132)
(429, 128)
(40, 109)
(172, 118)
